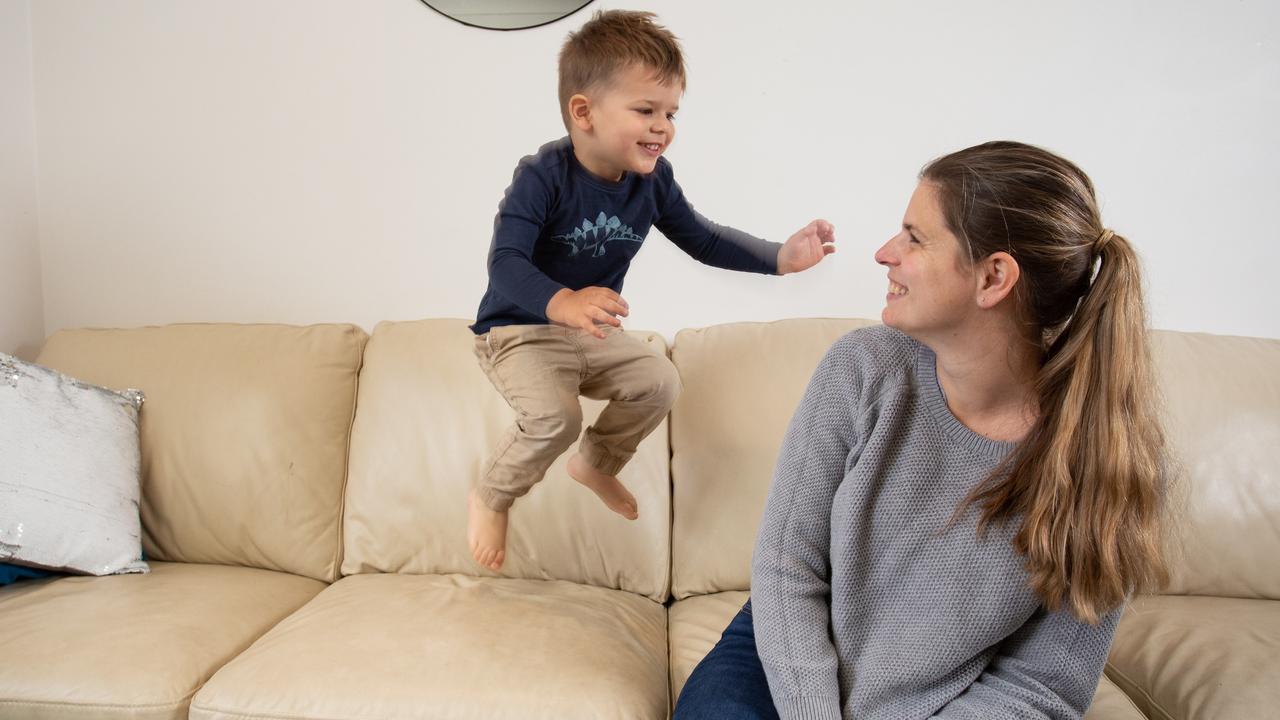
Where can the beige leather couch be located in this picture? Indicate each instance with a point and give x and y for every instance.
(303, 502)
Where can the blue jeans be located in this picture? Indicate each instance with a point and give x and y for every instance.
(729, 683)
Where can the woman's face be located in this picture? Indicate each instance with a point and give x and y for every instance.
(932, 290)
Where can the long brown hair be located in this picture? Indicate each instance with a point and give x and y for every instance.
(1087, 480)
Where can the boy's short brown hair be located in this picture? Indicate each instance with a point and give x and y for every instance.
(611, 41)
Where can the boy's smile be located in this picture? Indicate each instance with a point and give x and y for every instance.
(627, 126)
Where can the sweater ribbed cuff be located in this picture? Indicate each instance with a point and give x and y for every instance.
(805, 707)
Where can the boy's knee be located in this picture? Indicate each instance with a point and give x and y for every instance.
(666, 383)
(563, 426)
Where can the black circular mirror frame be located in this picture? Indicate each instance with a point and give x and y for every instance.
(577, 6)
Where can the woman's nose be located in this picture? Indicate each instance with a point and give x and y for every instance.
(885, 255)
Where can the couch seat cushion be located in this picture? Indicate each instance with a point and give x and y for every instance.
(135, 646)
(1111, 703)
(697, 623)
(1199, 657)
(452, 646)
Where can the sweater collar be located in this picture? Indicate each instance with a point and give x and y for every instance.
(936, 401)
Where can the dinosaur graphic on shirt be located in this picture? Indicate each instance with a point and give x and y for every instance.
(596, 236)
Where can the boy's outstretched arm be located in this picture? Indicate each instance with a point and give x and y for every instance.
(807, 247)
(724, 247)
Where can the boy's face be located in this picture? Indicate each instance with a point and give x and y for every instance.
(627, 126)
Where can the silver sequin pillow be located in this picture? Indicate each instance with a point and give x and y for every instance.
(69, 471)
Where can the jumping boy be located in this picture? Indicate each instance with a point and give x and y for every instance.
(547, 329)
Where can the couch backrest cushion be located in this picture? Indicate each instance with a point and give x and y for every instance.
(244, 435)
(742, 383)
(1222, 399)
(426, 421)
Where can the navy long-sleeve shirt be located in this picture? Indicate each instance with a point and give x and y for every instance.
(559, 226)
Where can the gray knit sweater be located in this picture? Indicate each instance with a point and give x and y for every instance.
(865, 603)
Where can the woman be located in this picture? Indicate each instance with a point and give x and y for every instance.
(967, 494)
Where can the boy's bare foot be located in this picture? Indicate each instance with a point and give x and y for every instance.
(486, 533)
(614, 494)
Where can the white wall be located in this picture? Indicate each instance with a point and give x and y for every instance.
(21, 305)
(327, 160)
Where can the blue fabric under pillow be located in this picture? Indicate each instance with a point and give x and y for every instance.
(13, 573)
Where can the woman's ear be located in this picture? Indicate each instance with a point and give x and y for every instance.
(580, 112)
(997, 276)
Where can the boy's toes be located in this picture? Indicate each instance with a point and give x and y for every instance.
(489, 557)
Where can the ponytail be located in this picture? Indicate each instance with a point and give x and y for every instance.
(1086, 483)
(1087, 479)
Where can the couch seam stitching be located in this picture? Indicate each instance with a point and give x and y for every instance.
(339, 555)
(92, 706)
(1136, 686)
(258, 715)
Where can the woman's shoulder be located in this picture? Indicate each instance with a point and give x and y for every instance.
(876, 358)
(876, 348)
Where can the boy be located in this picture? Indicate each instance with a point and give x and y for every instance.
(569, 224)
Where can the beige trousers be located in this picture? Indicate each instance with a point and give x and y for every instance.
(541, 370)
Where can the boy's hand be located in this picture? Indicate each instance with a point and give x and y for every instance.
(587, 309)
(807, 247)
